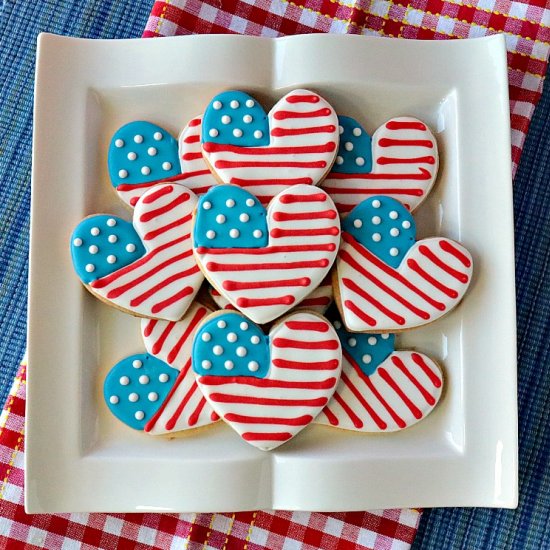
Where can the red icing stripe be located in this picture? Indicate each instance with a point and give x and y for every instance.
(302, 365)
(363, 316)
(154, 234)
(278, 233)
(317, 326)
(387, 142)
(244, 419)
(283, 115)
(448, 247)
(310, 98)
(256, 436)
(403, 368)
(236, 285)
(391, 382)
(211, 147)
(405, 125)
(286, 300)
(299, 344)
(292, 216)
(227, 164)
(279, 181)
(197, 412)
(214, 266)
(250, 400)
(419, 360)
(282, 132)
(462, 277)
(357, 422)
(267, 383)
(201, 312)
(330, 247)
(150, 326)
(289, 199)
(152, 197)
(397, 160)
(157, 346)
(157, 308)
(413, 264)
(422, 174)
(148, 216)
(331, 417)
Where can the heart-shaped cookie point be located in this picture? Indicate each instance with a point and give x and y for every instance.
(265, 263)
(267, 388)
(149, 269)
(295, 143)
(385, 281)
(184, 407)
(400, 161)
(381, 390)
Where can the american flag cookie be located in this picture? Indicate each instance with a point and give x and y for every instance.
(400, 161)
(296, 143)
(267, 387)
(380, 389)
(265, 262)
(143, 154)
(385, 280)
(146, 268)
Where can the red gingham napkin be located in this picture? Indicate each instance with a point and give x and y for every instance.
(384, 530)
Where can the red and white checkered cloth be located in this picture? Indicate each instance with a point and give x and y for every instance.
(525, 24)
(384, 530)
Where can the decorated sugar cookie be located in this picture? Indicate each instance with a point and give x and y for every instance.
(400, 161)
(142, 154)
(385, 280)
(265, 262)
(146, 268)
(267, 387)
(295, 143)
(380, 389)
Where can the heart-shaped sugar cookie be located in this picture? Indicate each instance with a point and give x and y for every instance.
(380, 389)
(400, 161)
(265, 262)
(267, 388)
(148, 268)
(385, 281)
(295, 143)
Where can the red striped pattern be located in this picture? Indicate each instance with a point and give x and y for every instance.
(304, 142)
(431, 280)
(266, 412)
(162, 283)
(405, 163)
(265, 283)
(185, 407)
(403, 390)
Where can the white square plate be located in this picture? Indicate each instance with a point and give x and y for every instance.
(80, 458)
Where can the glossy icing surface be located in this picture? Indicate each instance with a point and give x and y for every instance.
(355, 149)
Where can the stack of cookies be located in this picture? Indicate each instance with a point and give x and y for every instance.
(245, 231)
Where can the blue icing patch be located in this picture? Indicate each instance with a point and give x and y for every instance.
(235, 118)
(142, 152)
(383, 226)
(136, 387)
(230, 345)
(103, 244)
(230, 217)
(367, 350)
(355, 149)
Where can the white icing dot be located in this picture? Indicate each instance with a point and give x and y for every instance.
(221, 323)
(119, 143)
(394, 251)
(394, 232)
(95, 231)
(153, 396)
(394, 215)
(124, 380)
(255, 339)
(228, 364)
(340, 130)
(231, 337)
(206, 337)
(249, 202)
(385, 336)
(217, 105)
(243, 325)
(112, 239)
(166, 165)
(360, 161)
(133, 397)
(157, 136)
(337, 324)
(241, 351)
(206, 364)
(130, 247)
(218, 350)
(93, 249)
(247, 119)
(152, 151)
(111, 259)
(348, 146)
(210, 234)
(372, 340)
(376, 203)
(230, 203)
(77, 241)
(132, 156)
(220, 218)
(123, 174)
(376, 237)
(138, 138)
(357, 132)
(213, 132)
(257, 233)
(146, 170)
(207, 205)
(357, 223)
(234, 104)
(140, 415)
(137, 364)
(406, 224)
(366, 358)
(113, 399)
(144, 379)
(234, 233)
(376, 220)
(237, 132)
(163, 378)
(226, 119)
(244, 217)
(253, 366)
(258, 134)
(90, 268)
(250, 103)
(111, 222)
(352, 342)
(339, 160)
